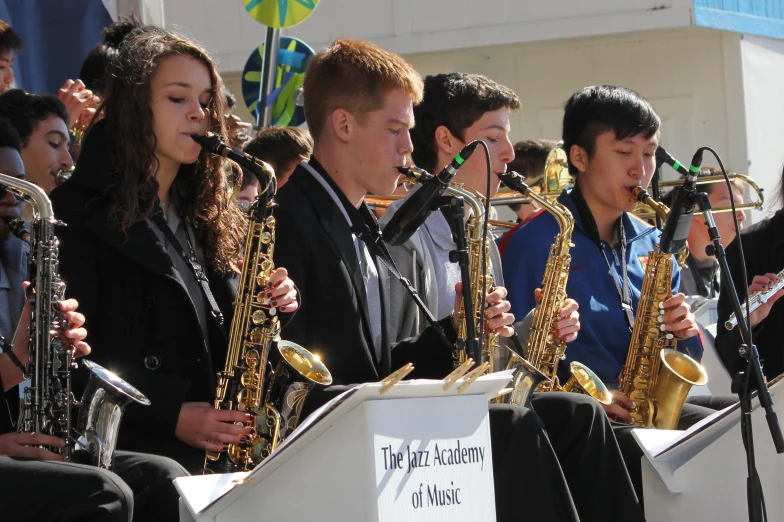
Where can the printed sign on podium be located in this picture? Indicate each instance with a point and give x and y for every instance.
(700, 473)
(416, 452)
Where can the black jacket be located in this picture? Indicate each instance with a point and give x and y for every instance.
(763, 248)
(314, 243)
(141, 322)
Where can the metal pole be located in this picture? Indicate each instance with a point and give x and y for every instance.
(269, 72)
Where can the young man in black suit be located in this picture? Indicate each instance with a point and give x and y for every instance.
(359, 107)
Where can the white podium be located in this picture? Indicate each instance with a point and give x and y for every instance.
(700, 473)
(414, 453)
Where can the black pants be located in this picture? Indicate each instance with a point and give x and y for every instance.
(582, 437)
(140, 488)
(694, 410)
(559, 461)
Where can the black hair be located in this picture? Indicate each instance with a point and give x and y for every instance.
(603, 108)
(9, 39)
(25, 111)
(95, 66)
(8, 136)
(456, 101)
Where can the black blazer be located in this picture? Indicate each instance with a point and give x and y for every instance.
(141, 322)
(314, 243)
(763, 247)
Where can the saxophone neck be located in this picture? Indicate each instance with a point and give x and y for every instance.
(30, 192)
(645, 198)
(472, 198)
(562, 215)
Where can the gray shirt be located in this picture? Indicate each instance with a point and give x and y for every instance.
(366, 264)
(424, 259)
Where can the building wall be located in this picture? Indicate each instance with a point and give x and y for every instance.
(763, 79)
(409, 26)
(660, 65)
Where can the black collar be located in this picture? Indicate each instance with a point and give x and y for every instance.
(589, 223)
(363, 221)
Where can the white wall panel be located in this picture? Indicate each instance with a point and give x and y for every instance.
(763, 83)
(413, 26)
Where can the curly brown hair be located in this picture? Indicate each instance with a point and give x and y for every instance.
(202, 191)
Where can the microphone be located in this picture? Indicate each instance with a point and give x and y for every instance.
(211, 142)
(413, 213)
(678, 225)
(662, 156)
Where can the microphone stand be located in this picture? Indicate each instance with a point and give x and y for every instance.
(742, 383)
(453, 209)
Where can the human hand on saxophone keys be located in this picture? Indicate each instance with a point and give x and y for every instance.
(33, 445)
(677, 317)
(74, 333)
(618, 410)
(202, 426)
(281, 291)
(497, 316)
(568, 323)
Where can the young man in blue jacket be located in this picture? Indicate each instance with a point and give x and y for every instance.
(610, 134)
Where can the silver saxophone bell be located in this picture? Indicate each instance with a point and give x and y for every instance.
(100, 411)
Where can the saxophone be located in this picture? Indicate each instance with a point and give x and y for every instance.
(47, 401)
(656, 376)
(544, 351)
(526, 377)
(254, 328)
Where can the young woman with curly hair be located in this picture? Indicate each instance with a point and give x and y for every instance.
(140, 173)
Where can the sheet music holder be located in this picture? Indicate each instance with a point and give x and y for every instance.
(334, 431)
(699, 474)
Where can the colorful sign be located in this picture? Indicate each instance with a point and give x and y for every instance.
(280, 14)
(293, 58)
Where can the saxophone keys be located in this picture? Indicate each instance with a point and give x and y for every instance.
(256, 335)
(261, 297)
(258, 317)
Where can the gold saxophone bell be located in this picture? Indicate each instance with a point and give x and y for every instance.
(297, 372)
(583, 380)
(677, 374)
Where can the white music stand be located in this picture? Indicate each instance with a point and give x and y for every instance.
(700, 473)
(349, 461)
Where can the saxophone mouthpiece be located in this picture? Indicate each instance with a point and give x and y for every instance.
(415, 174)
(17, 228)
(640, 194)
(211, 142)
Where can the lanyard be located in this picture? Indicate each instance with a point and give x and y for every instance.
(704, 291)
(193, 263)
(623, 293)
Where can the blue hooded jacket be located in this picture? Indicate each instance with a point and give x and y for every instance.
(603, 341)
